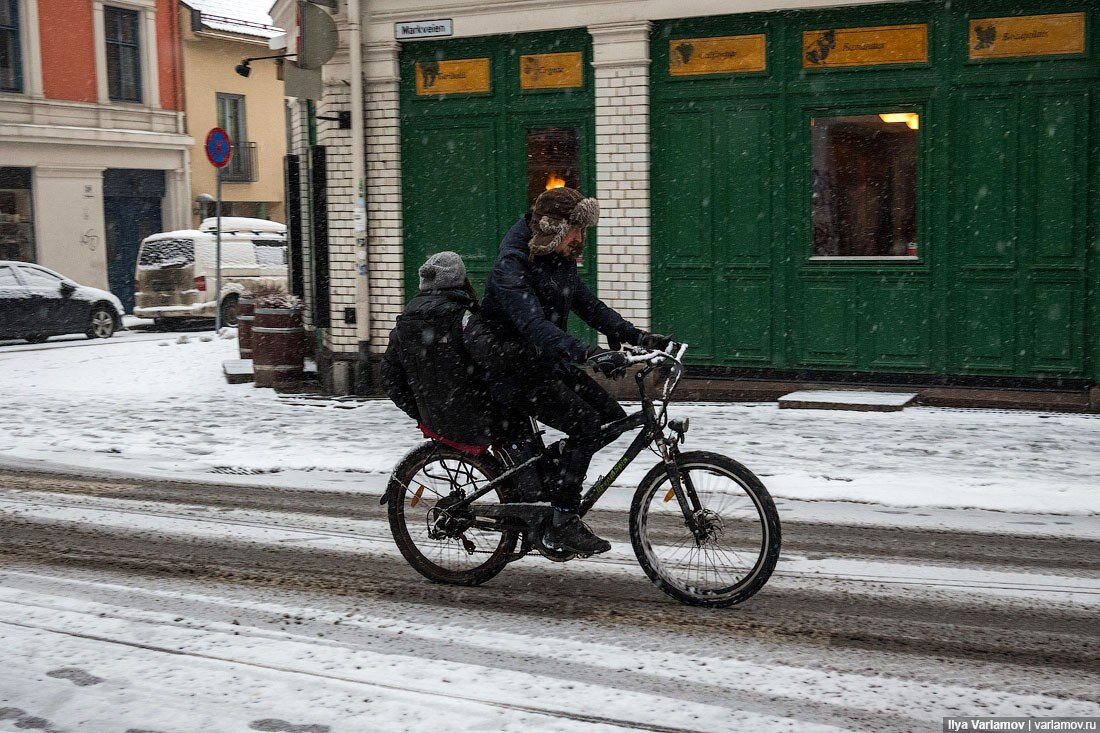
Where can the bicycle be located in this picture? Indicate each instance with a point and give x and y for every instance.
(459, 517)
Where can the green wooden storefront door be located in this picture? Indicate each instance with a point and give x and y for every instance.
(880, 189)
(515, 112)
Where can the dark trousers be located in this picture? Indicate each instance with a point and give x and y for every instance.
(575, 404)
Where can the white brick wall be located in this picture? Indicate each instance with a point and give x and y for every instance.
(622, 186)
(384, 219)
(341, 203)
(384, 222)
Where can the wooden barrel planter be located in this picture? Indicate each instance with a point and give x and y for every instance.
(278, 347)
(245, 308)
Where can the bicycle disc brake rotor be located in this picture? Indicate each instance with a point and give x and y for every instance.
(710, 525)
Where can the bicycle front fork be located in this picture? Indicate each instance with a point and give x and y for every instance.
(683, 489)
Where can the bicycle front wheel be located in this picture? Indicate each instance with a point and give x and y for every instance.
(739, 540)
(443, 544)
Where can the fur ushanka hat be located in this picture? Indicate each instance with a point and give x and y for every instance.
(556, 212)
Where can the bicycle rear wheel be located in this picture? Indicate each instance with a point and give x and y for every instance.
(442, 545)
(741, 541)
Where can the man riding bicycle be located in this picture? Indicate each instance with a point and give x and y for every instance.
(520, 338)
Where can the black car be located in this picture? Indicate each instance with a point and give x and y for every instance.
(36, 303)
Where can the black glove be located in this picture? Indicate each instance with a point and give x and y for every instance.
(654, 341)
(611, 364)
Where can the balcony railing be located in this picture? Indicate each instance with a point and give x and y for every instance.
(244, 166)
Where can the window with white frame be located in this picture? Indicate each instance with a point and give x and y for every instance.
(122, 34)
(11, 52)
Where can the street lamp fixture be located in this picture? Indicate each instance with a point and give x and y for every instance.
(244, 68)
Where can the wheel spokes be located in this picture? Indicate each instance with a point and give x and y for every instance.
(732, 544)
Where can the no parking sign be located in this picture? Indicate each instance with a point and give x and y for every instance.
(219, 148)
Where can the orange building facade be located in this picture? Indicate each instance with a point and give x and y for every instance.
(93, 144)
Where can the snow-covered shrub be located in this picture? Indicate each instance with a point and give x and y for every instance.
(279, 300)
(261, 290)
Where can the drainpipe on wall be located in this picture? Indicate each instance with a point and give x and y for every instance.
(359, 182)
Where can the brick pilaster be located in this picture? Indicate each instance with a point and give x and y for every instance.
(341, 205)
(384, 217)
(621, 61)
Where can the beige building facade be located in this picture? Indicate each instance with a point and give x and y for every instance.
(250, 108)
(93, 144)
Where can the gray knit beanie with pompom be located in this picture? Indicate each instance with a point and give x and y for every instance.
(442, 271)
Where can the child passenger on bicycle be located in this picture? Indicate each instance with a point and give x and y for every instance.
(520, 339)
(426, 370)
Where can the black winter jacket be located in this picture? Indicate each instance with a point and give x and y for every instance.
(528, 301)
(428, 374)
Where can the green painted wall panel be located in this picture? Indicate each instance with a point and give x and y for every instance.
(1008, 201)
(1060, 179)
(897, 325)
(742, 322)
(1057, 334)
(441, 215)
(828, 327)
(985, 340)
(689, 310)
(712, 201)
(743, 216)
(987, 152)
(464, 157)
(683, 189)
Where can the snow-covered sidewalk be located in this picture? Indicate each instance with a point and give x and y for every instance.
(161, 408)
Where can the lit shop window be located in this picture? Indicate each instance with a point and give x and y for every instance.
(553, 160)
(864, 185)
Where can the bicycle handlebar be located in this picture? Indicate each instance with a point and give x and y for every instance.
(638, 355)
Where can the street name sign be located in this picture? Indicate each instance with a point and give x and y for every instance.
(423, 29)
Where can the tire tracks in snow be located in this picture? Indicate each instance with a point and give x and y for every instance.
(1025, 552)
(844, 613)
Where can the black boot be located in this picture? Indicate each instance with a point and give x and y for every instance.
(568, 533)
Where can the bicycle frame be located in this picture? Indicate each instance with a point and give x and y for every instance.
(647, 418)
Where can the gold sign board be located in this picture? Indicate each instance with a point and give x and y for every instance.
(889, 44)
(551, 70)
(720, 55)
(1027, 35)
(461, 76)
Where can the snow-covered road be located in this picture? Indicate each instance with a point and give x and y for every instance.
(124, 614)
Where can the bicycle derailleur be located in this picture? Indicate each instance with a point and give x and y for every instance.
(443, 524)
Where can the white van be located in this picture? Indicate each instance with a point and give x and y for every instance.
(176, 270)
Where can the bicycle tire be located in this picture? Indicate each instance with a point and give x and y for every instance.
(660, 562)
(409, 476)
